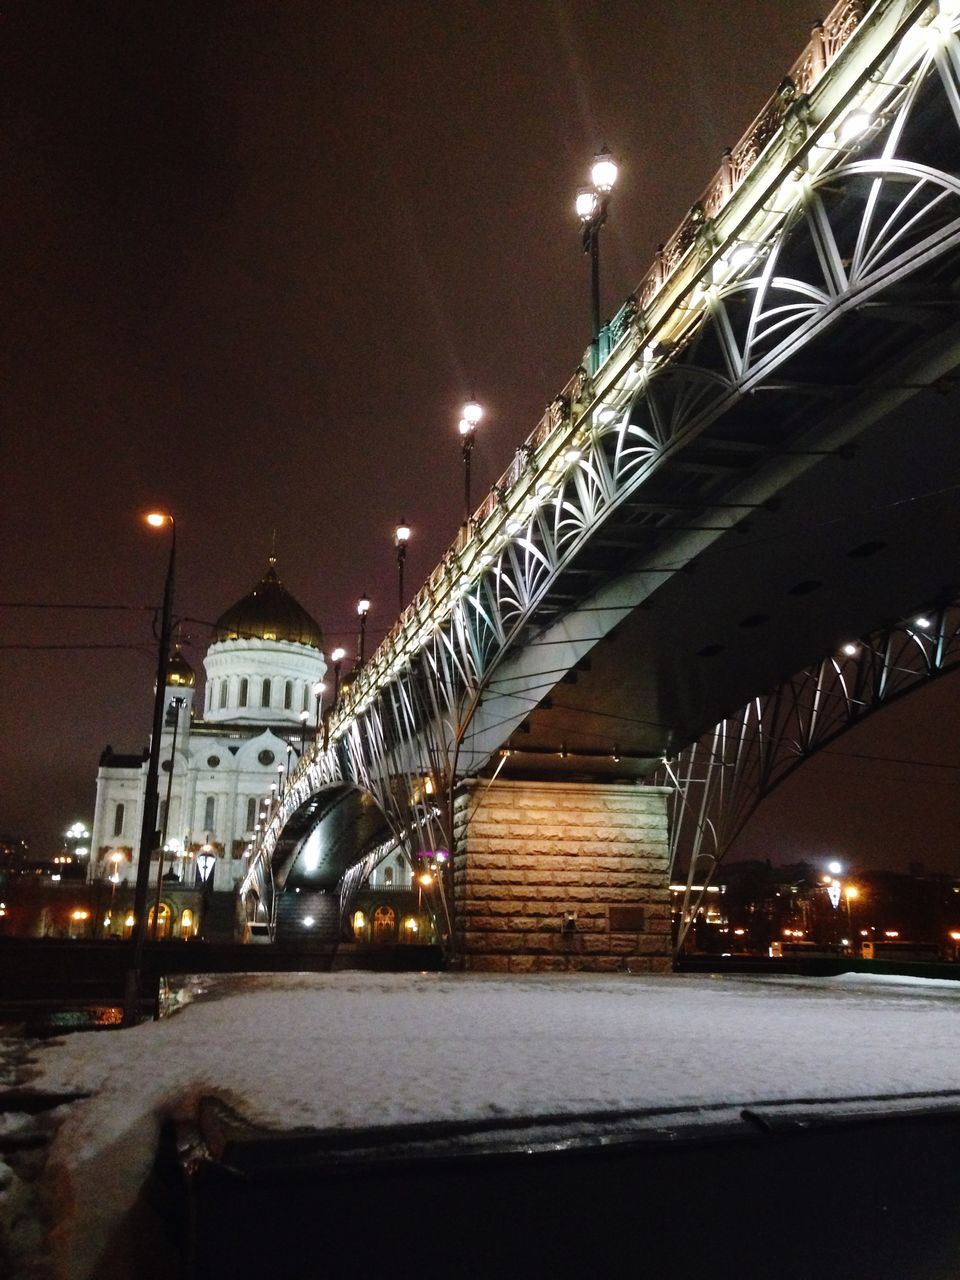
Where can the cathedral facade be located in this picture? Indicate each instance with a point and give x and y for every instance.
(223, 755)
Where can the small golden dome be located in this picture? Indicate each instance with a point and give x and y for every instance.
(180, 674)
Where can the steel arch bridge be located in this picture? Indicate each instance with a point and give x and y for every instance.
(805, 306)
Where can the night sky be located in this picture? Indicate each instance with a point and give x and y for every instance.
(255, 257)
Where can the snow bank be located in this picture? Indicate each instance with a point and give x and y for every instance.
(353, 1050)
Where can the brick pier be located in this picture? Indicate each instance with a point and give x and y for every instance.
(555, 876)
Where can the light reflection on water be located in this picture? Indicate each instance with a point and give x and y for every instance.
(41, 1025)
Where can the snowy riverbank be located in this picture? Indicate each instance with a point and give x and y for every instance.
(354, 1050)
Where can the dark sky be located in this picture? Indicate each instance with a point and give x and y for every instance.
(255, 256)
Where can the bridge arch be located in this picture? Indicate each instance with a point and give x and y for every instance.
(721, 779)
(336, 829)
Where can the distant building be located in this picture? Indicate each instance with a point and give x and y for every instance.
(258, 704)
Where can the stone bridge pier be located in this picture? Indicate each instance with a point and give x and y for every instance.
(561, 876)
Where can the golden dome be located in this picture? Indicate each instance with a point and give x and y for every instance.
(179, 671)
(269, 612)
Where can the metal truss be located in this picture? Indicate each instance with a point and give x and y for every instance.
(844, 195)
(721, 779)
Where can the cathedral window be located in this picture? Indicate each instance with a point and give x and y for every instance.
(288, 695)
(384, 924)
(251, 813)
(162, 815)
(223, 694)
(265, 694)
(209, 696)
(118, 820)
(306, 696)
(244, 689)
(209, 813)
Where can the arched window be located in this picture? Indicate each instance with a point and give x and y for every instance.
(209, 696)
(384, 924)
(251, 813)
(209, 813)
(288, 695)
(163, 921)
(306, 698)
(223, 694)
(244, 688)
(388, 875)
(186, 923)
(162, 815)
(118, 820)
(265, 694)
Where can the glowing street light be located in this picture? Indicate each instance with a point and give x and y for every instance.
(401, 536)
(591, 208)
(337, 658)
(469, 420)
(363, 608)
(319, 689)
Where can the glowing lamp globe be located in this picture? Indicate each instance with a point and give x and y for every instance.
(603, 175)
(588, 204)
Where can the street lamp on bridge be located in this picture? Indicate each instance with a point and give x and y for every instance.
(148, 824)
(337, 658)
(319, 689)
(470, 417)
(363, 608)
(591, 209)
(402, 537)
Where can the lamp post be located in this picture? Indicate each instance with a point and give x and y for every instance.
(591, 206)
(337, 658)
(319, 689)
(850, 894)
(148, 825)
(363, 608)
(402, 537)
(304, 717)
(472, 413)
(177, 704)
(116, 858)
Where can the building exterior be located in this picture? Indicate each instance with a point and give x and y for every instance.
(223, 753)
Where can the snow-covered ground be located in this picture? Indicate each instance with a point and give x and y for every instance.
(354, 1050)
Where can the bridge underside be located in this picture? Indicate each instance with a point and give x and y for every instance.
(333, 831)
(864, 527)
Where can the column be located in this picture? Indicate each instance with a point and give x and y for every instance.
(562, 876)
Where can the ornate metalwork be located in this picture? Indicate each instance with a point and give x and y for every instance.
(806, 225)
(721, 779)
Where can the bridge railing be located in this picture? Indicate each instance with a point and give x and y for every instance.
(550, 434)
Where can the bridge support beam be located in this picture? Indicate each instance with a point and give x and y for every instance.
(560, 876)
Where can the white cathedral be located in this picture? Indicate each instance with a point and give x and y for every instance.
(218, 767)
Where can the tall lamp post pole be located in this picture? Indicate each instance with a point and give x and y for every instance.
(177, 704)
(148, 825)
(472, 413)
(336, 657)
(363, 608)
(591, 209)
(402, 537)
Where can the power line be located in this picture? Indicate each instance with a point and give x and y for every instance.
(140, 648)
(38, 604)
